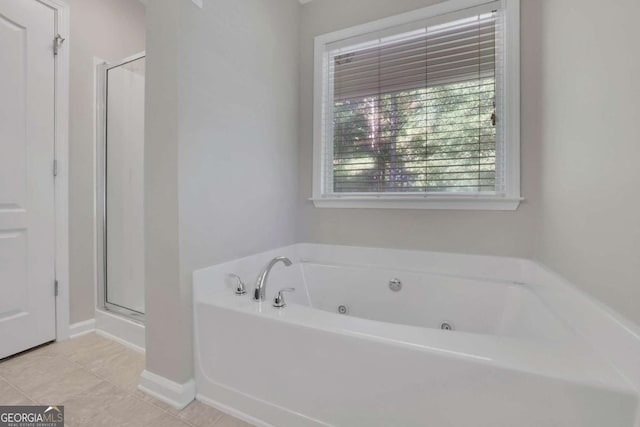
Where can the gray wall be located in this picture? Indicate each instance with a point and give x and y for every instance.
(590, 213)
(238, 152)
(580, 113)
(222, 97)
(221, 147)
(496, 233)
(110, 30)
(168, 339)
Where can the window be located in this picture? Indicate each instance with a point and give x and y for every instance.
(420, 110)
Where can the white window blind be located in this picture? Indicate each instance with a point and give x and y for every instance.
(417, 110)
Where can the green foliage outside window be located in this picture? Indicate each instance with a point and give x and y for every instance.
(434, 139)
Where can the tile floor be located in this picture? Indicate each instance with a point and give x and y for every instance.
(95, 379)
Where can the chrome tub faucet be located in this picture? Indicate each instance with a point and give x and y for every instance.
(261, 282)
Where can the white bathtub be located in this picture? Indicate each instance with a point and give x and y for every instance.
(512, 360)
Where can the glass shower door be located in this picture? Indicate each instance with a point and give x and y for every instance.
(123, 236)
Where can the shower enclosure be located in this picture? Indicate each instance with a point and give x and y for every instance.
(120, 192)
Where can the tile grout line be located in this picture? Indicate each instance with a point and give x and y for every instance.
(16, 388)
(21, 391)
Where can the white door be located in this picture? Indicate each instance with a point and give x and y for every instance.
(27, 229)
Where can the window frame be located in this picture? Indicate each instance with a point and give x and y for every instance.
(509, 200)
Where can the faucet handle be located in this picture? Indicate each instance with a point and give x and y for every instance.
(278, 301)
(240, 288)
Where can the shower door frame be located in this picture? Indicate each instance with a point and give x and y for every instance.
(101, 190)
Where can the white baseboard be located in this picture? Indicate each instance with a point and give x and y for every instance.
(120, 340)
(117, 328)
(120, 329)
(167, 391)
(82, 328)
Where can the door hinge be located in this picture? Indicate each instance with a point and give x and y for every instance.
(57, 43)
(55, 167)
(55, 288)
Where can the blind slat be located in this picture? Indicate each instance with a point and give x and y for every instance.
(438, 142)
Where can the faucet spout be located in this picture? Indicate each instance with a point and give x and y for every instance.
(261, 282)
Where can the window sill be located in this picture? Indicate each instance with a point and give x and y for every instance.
(475, 203)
